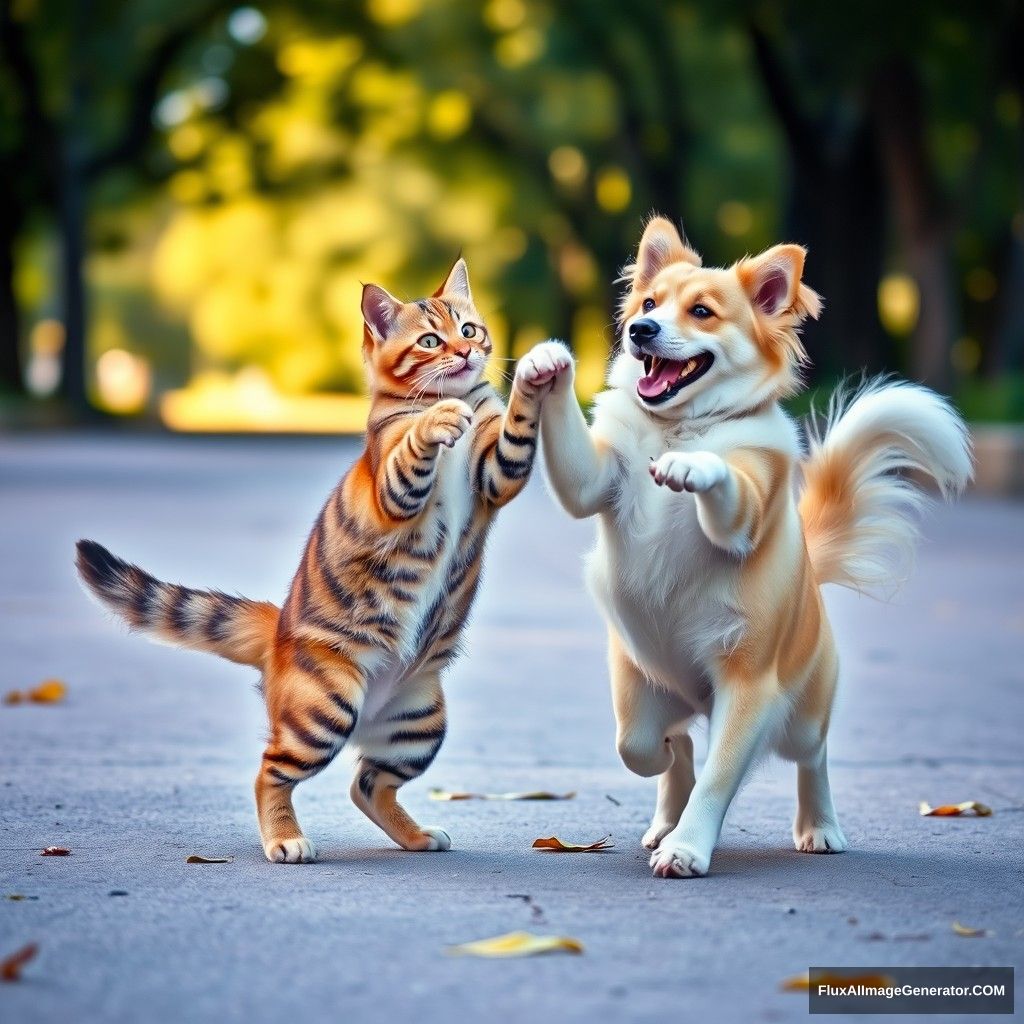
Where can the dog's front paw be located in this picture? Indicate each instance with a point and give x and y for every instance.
(545, 363)
(823, 837)
(696, 472)
(678, 860)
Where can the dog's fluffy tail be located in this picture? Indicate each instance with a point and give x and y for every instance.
(203, 620)
(858, 506)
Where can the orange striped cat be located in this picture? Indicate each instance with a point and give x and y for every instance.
(382, 593)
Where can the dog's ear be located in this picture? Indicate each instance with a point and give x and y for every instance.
(457, 282)
(660, 246)
(380, 310)
(773, 283)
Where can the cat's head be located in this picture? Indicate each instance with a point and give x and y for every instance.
(431, 348)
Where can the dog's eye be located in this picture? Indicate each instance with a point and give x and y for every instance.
(430, 341)
(700, 311)
(468, 331)
(649, 304)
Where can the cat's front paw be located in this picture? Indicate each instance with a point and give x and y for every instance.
(294, 850)
(696, 472)
(445, 422)
(544, 364)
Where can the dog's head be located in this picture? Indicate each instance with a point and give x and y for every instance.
(700, 341)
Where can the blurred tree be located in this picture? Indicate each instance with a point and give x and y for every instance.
(890, 133)
(81, 78)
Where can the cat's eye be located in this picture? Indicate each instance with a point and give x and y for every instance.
(700, 311)
(430, 341)
(649, 304)
(468, 330)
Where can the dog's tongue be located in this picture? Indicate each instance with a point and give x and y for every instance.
(654, 383)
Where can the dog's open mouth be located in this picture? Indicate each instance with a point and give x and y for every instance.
(667, 377)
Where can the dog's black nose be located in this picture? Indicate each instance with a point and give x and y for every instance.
(643, 331)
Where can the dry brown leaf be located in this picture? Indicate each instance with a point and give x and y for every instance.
(440, 794)
(969, 933)
(13, 697)
(50, 691)
(802, 982)
(10, 969)
(195, 858)
(56, 851)
(955, 810)
(555, 844)
(517, 944)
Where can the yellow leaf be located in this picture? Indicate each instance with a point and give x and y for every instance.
(802, 982)
(195, 858)
(969, 933)
(440, 794)
(556, 844)
(955, 810)
(517, 944)
(48, 692)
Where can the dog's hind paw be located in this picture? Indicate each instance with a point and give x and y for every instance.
(826, 837)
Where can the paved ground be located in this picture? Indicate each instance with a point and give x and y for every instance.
(152, 756)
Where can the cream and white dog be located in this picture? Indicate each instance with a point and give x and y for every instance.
(708, 564)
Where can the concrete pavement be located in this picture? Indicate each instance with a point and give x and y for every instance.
(152, 756)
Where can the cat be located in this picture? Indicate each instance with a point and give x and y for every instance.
(382, 593)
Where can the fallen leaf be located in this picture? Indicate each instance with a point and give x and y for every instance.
(56, 851)
(955, 810)
(802, 982)
(17, 897)
(195, 858)
(14, 697)
(440, 794)
(969, 933)
(50, 691)
(10, 969)
(556, 844)
(517, 944)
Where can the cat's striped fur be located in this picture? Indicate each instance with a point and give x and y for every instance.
(377, 608)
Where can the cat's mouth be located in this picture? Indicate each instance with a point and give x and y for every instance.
(664, 378)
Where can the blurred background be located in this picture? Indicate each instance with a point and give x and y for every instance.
(193, 191)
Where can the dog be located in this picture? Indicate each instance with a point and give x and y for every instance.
(709, 564)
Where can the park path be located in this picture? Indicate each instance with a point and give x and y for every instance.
(152, 755)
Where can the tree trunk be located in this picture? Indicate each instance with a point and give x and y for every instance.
(837, 210)
(73, 288)
(12, 379)
(922, 228)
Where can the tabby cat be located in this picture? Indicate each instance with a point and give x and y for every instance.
(382, 593)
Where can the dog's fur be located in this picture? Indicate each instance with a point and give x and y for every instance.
(707, 567)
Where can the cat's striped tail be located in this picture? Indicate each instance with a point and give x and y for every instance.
(203, 620)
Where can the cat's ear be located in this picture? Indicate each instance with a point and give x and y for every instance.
(380, 310)
(457, 282)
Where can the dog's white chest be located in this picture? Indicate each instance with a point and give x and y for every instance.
(668, 592)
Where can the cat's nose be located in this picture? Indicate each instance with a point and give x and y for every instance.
(464, 352)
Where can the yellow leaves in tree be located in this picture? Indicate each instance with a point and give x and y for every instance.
(979, 810)
(557, 846)
(516, 944)
(440, 794)
(50, 691)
